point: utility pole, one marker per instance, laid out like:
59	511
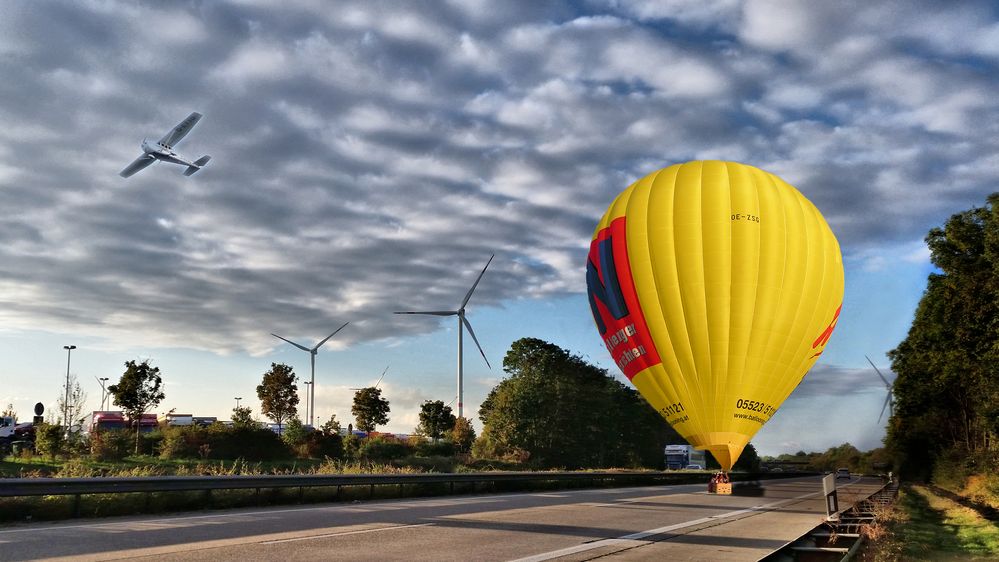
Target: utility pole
65	405
101	381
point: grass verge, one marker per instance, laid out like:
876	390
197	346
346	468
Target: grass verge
925	526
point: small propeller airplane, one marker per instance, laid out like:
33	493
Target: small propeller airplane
163	150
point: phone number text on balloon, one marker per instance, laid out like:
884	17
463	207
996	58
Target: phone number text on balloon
755	406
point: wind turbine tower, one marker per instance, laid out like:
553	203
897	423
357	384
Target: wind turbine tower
462	325
311	403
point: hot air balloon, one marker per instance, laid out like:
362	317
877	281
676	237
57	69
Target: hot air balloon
715	286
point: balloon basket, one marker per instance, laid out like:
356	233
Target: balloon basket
720	484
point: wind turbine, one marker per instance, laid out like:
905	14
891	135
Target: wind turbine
890	399
379	380
462	324
312	352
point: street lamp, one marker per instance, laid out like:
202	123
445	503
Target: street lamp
308	389
238	398
65	405
101	381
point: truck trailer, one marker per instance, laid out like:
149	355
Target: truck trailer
683	457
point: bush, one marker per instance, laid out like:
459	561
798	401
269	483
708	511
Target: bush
439	449
294	434
428	463
322	445
352	448
150	443
49	440
250	443
183	442
383	449
111	445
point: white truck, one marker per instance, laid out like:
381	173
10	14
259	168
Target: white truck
684	457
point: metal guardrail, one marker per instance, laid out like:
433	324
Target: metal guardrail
847	524
26	487
13	487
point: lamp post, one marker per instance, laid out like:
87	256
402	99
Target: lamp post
65	405
238	398
308	390
102	381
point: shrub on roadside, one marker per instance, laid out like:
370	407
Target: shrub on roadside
182	442
383	448
111	445
439	449
49	440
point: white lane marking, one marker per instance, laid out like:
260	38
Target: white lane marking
345	533
635	538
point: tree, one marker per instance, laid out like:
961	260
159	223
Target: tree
76	405
331	427
462	435
749	460
436	419
278	393
9	412
138	390
565	412
947	389
294	434
242	417
370	409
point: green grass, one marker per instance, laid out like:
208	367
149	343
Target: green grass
144	465
927	527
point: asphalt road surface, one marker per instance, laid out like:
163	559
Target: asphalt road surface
646	523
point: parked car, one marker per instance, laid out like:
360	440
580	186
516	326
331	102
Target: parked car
842	473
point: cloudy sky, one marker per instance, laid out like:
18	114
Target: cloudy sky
370	156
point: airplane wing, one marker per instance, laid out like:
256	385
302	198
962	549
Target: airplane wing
181	130
139	163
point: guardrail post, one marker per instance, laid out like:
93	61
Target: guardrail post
832	501
76	505
371	492
208	499
301	494
338	492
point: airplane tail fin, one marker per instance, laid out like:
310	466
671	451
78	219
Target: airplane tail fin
197	165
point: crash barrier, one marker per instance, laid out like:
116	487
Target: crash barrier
77	487
840	537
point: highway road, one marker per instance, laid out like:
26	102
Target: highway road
646	523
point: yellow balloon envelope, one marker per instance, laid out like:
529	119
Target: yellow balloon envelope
715	287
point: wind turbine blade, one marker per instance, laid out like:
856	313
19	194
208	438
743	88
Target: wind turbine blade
472	333
302	347
431	312
381	377
887	401
476	284
878	371
320	344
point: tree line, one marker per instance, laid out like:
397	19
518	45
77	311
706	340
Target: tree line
946	415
